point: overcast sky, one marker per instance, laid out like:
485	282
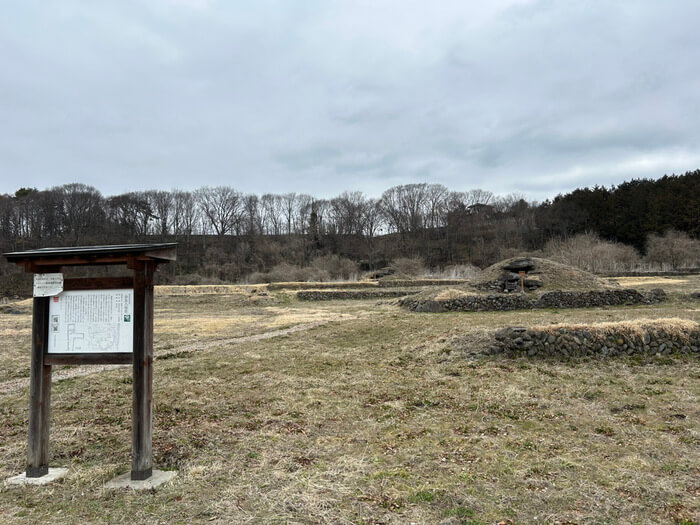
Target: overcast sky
534	97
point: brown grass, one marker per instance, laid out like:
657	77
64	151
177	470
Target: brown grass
210	289
674	326
342	285
370	418
680	284
447	294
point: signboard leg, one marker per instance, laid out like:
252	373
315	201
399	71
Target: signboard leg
142	426
39	394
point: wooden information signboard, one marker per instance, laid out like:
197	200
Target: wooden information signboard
103	320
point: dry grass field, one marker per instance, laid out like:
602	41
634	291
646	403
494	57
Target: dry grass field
679	284
280	411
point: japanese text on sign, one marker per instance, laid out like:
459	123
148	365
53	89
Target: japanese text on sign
91	321
47	284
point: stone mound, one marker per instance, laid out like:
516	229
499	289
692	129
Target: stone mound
539	274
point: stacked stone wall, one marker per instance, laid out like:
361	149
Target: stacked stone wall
517	301
583	342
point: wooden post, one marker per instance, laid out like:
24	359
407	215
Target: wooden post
39	393
142	416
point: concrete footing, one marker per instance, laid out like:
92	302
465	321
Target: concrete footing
157	479
53	475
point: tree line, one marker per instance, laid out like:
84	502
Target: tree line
627	213
228	234
77	212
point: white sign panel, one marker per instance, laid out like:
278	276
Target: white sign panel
91	321
47	284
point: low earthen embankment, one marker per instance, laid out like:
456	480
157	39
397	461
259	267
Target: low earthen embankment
403	283
667	273
516	301
322	285
332	295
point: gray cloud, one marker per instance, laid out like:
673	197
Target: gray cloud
536	97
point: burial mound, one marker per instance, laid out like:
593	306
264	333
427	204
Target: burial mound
555	285
539	274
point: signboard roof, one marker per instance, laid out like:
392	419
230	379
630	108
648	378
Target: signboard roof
35	260
111	249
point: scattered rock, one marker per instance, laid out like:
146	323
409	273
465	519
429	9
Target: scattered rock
10	310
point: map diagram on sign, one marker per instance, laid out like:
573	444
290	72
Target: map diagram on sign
91	321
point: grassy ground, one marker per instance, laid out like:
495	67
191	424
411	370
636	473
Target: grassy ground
372	416
680	284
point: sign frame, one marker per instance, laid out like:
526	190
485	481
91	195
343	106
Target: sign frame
92	358
110	328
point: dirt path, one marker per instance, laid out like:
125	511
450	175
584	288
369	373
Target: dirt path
59	374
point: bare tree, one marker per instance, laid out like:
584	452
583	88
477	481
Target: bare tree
392	208
371	218
303	212
477	196
404	207
252	218
185	213
81	207
674	248
435	205
413	201
130	213
346	212
25	217
290	204
272	213
506	203
161	203
221	207
322	210
591	253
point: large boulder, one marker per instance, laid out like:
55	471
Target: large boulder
520	265
508	282
509	276
382	272
532	284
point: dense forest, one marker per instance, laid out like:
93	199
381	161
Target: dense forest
227	235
